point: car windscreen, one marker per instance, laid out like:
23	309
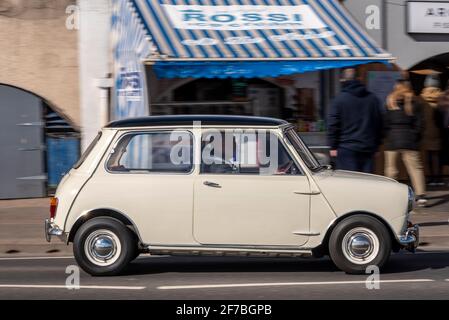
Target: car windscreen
304	152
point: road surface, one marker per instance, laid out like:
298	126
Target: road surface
424	275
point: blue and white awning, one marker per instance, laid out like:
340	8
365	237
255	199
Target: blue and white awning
252	38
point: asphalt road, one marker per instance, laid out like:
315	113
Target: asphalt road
424	275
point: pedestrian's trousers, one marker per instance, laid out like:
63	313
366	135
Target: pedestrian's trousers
355	161
413	164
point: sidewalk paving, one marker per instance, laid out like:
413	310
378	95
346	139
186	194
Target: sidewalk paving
434	221
22	226
22	229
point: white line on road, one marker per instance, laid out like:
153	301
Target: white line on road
274	284
34	258
49	286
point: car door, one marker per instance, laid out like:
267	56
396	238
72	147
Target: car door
256	195
148	176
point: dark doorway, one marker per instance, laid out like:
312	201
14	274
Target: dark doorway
439	63
29	155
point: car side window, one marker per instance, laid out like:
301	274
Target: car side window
258	152
155	152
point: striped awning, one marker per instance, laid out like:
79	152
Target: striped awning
252	38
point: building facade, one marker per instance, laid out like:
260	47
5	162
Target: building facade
39	95
415	32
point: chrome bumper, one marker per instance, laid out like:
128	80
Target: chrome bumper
410	239
52	230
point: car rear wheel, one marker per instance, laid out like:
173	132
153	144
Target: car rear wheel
358	242
103	246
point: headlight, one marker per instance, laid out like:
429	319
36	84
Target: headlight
411	199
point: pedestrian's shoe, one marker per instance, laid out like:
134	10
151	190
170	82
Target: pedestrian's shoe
421	201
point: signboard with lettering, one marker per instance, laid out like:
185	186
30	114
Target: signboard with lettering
243	17
427	17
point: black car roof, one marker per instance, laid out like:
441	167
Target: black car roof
188	120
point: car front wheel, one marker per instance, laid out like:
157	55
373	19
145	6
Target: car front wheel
103	246
358	242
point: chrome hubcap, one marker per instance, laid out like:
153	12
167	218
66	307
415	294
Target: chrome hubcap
360	245
102	247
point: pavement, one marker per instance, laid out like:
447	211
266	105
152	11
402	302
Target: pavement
30	268
22	229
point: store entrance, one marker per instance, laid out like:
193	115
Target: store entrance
225	96
437	65
38	145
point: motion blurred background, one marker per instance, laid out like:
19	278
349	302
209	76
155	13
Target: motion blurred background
68	67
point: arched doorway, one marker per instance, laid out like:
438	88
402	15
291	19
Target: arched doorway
438	64
37	144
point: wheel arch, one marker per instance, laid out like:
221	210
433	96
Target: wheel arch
324	247
103	212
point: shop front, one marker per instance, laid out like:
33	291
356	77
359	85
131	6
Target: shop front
254	57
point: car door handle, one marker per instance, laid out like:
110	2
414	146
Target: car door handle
211	184
312	193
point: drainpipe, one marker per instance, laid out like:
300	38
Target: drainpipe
104	85
384	24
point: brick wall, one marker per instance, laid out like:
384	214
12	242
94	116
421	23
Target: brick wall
39	54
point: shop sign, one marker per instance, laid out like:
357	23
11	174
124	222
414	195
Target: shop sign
274	38
130	86
427	17
243	17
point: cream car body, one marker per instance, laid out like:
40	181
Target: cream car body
195	212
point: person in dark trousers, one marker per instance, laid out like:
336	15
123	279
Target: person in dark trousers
443	106
404	125
433	129
354	125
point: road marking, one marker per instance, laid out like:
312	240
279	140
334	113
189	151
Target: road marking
50	286
274	284
426	252
34	258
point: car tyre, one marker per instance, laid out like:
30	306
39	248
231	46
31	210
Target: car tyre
104	246
358	242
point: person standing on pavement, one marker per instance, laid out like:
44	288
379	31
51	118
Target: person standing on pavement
443	106
433	127
403	131
354	125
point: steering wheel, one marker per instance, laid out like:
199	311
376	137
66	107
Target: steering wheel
285	168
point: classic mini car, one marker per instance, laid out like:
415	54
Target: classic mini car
222	185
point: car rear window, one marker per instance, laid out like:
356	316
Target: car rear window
87	152
157	152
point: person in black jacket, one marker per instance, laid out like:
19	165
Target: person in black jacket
443	105
403	131
354	125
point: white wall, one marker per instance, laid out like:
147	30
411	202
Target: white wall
408	49
95	64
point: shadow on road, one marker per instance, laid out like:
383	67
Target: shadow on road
434	224
409	262
156	265
441	199
398	263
